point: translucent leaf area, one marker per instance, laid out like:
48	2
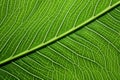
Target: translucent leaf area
59	39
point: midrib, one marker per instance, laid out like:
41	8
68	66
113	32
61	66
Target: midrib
62	35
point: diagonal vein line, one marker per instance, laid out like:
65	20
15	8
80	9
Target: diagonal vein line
62	35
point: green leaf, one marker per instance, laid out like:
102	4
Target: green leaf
60	40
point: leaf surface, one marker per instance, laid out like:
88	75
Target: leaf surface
63	40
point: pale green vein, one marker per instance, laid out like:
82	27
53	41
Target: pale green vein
62	35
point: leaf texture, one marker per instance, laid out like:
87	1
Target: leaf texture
67	40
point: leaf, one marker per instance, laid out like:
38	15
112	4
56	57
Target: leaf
64	40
